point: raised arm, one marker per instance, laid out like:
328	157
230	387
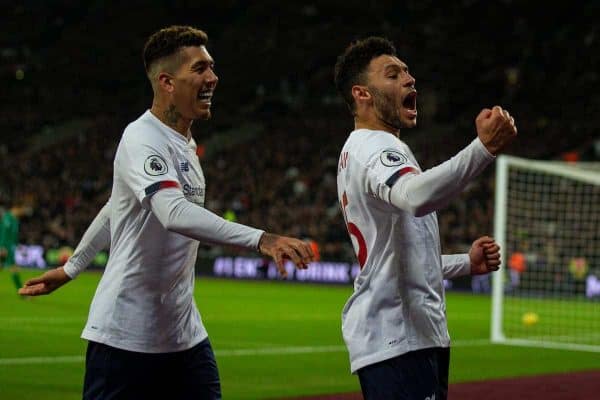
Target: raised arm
95	239
423	193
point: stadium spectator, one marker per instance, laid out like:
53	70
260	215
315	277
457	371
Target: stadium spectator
517	265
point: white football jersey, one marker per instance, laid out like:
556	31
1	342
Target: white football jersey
398	301
144	301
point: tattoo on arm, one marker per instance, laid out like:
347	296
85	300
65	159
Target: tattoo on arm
266	241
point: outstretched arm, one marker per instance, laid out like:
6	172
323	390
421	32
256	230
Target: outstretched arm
96	238
179	215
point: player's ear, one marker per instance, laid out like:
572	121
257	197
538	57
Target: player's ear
165	81
360	94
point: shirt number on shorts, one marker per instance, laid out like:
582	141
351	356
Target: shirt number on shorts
354	231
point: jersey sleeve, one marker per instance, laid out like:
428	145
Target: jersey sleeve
455	265
387	164
189	219
434	188
146	166
95	239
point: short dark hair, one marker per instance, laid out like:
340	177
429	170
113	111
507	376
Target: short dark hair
167	42
351	66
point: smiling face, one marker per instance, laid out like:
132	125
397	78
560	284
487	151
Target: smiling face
193	83
393	93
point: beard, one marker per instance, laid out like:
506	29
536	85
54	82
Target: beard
385	109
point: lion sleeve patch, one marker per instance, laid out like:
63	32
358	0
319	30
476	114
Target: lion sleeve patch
155	165
392	158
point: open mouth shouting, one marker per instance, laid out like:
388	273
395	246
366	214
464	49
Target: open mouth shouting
409	104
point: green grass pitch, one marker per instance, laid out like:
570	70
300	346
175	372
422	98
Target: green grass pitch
272	340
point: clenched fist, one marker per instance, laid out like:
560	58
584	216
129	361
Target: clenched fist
496	128
484	256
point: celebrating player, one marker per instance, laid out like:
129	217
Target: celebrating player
146	337
394	324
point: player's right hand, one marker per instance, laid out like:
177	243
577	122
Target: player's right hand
45	283
280	248
496	128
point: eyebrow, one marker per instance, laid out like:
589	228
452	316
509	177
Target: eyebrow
396	67
202	64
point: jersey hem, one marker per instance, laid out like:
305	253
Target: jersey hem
386	355
137	347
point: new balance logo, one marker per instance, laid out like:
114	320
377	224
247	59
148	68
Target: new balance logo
184	166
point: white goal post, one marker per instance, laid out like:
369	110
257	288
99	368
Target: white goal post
547	222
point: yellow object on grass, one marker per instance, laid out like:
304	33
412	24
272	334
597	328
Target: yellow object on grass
530	318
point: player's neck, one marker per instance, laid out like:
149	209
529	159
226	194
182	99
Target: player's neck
168	115
375	124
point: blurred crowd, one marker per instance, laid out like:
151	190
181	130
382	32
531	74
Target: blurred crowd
74	81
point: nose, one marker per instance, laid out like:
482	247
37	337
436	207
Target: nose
409	80
213	79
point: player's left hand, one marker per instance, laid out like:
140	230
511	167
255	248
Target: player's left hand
45	283
484	256
282	247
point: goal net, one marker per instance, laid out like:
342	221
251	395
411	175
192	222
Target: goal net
547	222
